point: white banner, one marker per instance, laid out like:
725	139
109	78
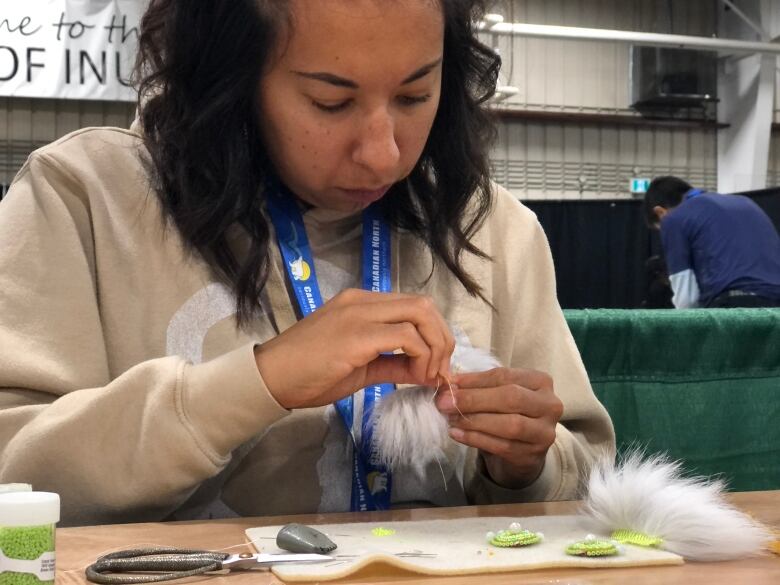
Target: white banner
71	49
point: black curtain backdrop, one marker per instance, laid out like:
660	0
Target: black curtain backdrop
600	248
769	201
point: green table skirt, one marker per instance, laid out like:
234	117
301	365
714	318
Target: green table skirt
701	385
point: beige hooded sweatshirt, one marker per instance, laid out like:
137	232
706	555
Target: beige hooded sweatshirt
126	387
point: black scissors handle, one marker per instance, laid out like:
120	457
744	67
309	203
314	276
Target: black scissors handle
165	564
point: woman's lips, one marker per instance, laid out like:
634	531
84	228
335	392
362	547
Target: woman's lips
366	195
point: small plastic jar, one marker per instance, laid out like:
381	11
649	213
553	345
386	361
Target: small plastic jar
27	529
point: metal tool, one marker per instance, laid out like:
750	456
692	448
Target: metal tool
153	565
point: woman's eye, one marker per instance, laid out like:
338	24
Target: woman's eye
409	100
331	108
404	100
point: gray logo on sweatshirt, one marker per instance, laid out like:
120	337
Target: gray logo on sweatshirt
189	326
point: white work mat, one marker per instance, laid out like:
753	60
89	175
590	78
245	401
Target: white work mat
458	545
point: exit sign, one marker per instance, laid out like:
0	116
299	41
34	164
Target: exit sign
639	185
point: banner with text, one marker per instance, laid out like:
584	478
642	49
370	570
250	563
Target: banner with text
69	49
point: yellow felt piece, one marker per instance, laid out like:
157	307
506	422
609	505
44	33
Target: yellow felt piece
451	547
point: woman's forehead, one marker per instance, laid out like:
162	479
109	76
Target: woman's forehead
355	33
366	8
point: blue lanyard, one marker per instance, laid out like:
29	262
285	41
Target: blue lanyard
371	482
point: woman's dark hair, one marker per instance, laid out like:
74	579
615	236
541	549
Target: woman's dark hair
666	192
198	79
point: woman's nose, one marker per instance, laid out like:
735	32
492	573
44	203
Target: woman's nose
377	149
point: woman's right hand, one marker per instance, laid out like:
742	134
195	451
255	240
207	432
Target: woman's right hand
339	348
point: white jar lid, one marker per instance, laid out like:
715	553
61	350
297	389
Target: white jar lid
29	509
6	488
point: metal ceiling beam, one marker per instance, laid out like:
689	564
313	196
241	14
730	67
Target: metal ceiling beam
747	20
492	25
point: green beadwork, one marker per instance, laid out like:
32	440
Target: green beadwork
592	548
515	538
25	543
9	578
637	538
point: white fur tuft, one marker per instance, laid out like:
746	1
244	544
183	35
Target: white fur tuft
466	359
691	515
408	428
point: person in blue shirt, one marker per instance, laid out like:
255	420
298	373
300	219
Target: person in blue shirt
720	250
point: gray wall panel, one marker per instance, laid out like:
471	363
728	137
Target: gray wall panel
572	160
27	124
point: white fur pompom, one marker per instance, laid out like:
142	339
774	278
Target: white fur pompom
691	515
408	428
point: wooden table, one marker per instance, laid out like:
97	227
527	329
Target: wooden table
78	547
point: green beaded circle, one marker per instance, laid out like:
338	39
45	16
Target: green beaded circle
515	538
592	548
25	543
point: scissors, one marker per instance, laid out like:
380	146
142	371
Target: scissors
152	565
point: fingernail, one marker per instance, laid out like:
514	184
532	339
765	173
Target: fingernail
457	434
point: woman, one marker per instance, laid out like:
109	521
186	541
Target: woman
155	363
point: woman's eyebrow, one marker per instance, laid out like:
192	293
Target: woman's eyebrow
348	83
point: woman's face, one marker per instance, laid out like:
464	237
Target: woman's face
346	110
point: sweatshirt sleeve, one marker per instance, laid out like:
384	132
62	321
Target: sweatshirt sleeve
679	260
132	448
686	289
533	334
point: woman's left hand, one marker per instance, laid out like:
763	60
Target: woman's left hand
509	415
